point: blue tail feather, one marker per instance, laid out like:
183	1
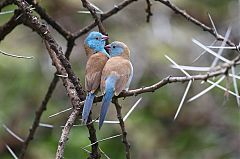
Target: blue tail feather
109	93
87	106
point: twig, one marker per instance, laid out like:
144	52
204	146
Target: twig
191	19
62	65
171	79
75	100
65	133
122	125
44	103
148	10
95	154
32	21
103	17
10	25
57	26
94	14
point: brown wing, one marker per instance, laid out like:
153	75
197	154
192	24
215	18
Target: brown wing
93	72
120	67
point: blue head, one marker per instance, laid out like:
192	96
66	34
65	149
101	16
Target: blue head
117	48
96	41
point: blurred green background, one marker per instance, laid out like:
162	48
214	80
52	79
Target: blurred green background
207	128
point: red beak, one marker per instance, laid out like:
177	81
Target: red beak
104	37
107	47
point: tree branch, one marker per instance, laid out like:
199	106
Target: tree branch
92	10
57	26
42	29
10	25
65	133
74	90
103	17
217	71
43	106
194	21
122	125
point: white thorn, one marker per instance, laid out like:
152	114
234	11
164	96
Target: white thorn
235	85
63	111
11	152
108	138
220	51
173	62
46	125
206	90
12	133
211	52
183	99
131	110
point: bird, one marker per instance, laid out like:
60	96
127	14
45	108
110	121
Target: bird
97	57
116	75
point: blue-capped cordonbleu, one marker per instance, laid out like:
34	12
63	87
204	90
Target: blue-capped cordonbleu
116	75
97	58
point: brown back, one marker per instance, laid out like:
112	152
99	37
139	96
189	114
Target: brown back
93	71
120	67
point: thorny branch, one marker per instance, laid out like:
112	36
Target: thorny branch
104	16
223	70
74	90
217	71
33	23
92	10
56	25
122	125
194	21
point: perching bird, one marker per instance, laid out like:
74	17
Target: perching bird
116	75
97	58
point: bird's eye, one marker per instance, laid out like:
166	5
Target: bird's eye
97	38
114	47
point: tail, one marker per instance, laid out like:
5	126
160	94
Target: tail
109	92
87	106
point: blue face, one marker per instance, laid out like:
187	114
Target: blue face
96	41
115	49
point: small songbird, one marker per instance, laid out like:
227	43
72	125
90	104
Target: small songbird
116	75
97	58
